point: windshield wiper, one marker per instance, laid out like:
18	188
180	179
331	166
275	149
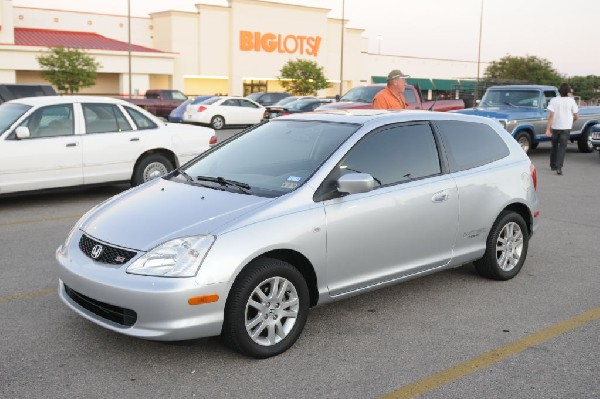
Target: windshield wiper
507	103
243	187
187	177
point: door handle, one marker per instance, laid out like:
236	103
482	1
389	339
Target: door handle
71	145
134	139
440	196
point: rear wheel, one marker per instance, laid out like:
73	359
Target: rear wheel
151	167
584	144
217	122
506	248
266	309
524	139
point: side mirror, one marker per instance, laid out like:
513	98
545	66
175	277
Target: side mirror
355	183
22	132
477	101
337	97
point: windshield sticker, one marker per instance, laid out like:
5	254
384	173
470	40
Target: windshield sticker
289	185
294	178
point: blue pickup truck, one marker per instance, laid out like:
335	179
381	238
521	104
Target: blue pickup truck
522	110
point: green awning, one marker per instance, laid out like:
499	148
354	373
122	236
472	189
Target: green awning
424	84
445	84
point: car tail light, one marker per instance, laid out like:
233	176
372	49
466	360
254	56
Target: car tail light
284	113
533	176
201	108
266	115
213	140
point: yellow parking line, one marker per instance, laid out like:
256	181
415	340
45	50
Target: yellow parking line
27	295
39	220
487	359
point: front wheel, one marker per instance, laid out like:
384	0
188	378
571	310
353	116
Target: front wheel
506	248
584	144
151	167
266	309
524	139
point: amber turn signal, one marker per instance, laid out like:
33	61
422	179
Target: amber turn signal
200	300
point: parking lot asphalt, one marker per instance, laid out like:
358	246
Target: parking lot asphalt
448	335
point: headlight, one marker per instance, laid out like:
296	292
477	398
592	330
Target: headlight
176	258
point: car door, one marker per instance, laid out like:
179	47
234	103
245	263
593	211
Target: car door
406	225
110	145
50	157
252	112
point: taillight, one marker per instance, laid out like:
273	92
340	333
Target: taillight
201	108
533	173
284	113
213	140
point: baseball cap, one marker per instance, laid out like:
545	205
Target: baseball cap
396	73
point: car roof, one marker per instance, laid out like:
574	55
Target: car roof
362	116
50	100
523	87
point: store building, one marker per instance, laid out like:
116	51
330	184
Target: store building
233	49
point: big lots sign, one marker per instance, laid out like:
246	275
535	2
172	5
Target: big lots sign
271	42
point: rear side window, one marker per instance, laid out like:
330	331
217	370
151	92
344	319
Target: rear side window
104	118
470	144
141	121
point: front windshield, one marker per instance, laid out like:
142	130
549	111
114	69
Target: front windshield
361	94
254	96
9	113
511	98
273	159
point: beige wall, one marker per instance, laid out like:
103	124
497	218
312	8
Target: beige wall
201	86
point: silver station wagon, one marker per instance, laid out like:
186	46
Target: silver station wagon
298	212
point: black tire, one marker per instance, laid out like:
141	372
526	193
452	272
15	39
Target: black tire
274	327
584	144
217	122
534	146
150	167
506	248
524	139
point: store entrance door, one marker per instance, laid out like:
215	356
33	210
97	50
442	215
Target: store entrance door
253	86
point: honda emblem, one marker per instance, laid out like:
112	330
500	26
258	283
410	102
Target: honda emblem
96	251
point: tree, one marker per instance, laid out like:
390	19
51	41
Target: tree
587	87
69	69
529	69
302	77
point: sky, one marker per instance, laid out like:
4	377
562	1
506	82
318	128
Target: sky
566	33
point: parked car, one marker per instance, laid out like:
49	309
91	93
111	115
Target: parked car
221	111
287	100
50	142
176	116
13	91
298	212
159	102
267	98
294	107
361	97
595	137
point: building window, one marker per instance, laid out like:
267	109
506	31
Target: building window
253	86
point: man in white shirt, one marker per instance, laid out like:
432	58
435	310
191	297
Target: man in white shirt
563	112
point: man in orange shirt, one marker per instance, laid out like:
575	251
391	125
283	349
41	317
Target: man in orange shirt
392	97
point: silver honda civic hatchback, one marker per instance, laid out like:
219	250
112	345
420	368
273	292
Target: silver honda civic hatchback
298	212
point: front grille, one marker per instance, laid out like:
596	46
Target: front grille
116	314
104	253
596	135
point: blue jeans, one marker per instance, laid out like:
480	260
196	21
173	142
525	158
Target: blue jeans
559	147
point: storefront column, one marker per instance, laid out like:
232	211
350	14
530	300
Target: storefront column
139	84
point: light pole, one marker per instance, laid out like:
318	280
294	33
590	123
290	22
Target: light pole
342	49
478	54
129	42
379	39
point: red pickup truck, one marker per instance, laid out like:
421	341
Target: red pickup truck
159	102
361	97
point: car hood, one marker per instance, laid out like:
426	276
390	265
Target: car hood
344	105
161	210
507	113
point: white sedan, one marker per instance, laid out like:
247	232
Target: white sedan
61	141
221	111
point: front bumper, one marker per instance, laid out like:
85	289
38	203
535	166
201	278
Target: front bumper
141	306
